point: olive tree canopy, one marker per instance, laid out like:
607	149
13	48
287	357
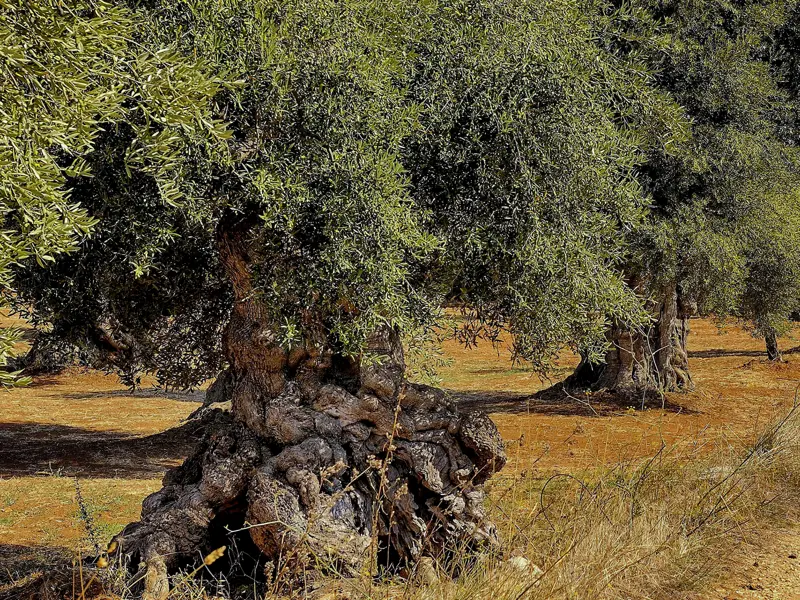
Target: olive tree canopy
69	74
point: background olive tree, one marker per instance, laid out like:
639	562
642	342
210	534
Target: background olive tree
712	221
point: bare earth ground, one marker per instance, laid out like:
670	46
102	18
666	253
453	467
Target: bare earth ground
769	570
85	427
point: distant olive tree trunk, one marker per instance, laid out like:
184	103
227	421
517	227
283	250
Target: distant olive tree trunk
773	351
323	455
101	346
643	361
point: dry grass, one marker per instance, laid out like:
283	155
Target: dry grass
661	528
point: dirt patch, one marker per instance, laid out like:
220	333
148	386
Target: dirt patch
85	426
769	569
95	401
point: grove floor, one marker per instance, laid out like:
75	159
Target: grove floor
82	434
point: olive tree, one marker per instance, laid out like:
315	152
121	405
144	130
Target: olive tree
772	291
772	283
712	193
381	158
67	72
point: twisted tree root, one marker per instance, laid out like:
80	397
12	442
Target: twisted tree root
324	480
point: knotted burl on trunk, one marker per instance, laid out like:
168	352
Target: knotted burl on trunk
644	361
340	463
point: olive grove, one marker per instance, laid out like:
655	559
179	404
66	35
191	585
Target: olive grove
279	194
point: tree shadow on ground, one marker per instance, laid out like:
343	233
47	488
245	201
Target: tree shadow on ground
19	561
40	381
155	392
45	573
42	449
555	400
722	352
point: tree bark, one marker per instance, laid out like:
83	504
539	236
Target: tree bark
773	351
324	458
643	362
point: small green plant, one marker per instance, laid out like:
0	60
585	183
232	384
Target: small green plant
86	517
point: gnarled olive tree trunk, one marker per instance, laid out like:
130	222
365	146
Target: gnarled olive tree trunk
773	351
301	459
643	361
